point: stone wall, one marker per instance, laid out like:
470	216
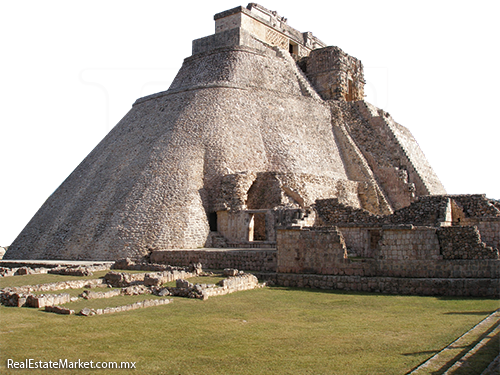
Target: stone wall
464	243
264	25
390	285
331	212
357	240
430	210
468	269
335	75
249	260
412	243
400	168
490	231
311	250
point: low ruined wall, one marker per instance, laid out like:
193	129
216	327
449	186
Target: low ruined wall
464	243
311	250
490	231
248	260
133	306
61	285
43	300
388	285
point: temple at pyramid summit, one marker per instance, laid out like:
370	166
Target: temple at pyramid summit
263	140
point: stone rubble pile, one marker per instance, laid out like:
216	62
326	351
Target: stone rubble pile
123	279
15	271
477	205
10	298
133	290
183	288
79	270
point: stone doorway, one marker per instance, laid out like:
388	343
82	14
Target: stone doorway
257	226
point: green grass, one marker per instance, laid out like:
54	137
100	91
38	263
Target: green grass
263	331
45	278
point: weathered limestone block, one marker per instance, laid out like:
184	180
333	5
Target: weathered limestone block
180	283
89	294
59	310
43	300
241	282
230	272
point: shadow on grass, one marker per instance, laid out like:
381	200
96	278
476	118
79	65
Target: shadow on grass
458	298
362	293
432	352
330	291
468	313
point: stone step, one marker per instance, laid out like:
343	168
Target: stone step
488	326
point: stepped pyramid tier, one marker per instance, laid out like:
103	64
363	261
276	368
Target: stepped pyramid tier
260	122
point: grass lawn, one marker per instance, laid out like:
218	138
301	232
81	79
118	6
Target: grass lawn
262	331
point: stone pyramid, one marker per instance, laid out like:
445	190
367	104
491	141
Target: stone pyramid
260	120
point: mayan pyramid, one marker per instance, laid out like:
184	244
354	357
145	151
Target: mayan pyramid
261	119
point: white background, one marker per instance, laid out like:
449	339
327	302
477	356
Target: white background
69	71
